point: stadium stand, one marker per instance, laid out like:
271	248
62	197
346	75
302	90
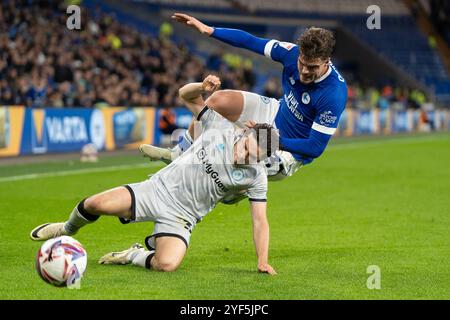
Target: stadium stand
439	13
120	60
344	7
109	63
417	58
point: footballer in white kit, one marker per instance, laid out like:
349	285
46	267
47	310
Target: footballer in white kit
181	194
223	161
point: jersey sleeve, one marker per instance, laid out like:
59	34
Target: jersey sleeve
207	117
240	39
330	108
257	192
283	52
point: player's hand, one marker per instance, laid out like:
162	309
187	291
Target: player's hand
266	268
211	84
192	22
250	123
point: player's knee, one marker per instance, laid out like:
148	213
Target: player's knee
165	264
214	101
93	204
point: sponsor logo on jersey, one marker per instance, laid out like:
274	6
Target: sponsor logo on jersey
287	45
306	98
292	104
327	118
203	157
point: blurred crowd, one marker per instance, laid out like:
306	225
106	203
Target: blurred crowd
387	97
370	97
42	63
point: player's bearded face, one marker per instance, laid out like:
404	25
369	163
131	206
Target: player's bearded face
311	69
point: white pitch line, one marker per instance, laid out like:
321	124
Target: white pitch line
344	146
374	143
79	171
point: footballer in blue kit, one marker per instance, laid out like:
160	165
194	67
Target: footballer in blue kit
309	112
314	96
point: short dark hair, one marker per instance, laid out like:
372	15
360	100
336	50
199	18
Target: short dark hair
267	137
316	43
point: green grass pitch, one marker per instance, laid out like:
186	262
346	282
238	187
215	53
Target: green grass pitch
383	202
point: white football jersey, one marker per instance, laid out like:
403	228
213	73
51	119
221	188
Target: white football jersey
203	175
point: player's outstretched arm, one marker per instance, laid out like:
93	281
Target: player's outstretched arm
191	93
261	236
234	37
193	22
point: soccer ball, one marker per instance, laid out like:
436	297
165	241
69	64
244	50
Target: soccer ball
61	261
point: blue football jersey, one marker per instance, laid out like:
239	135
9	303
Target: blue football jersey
305	107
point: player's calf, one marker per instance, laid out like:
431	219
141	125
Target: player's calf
116	202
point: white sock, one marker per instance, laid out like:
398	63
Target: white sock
78	219
140	258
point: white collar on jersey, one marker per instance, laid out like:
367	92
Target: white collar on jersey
325	75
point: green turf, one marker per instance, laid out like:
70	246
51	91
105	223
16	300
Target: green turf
377	202
65	165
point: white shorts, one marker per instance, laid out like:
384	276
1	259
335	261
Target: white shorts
150	203
259	108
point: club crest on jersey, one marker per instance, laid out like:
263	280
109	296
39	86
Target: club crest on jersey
237	174
306	98
327	118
